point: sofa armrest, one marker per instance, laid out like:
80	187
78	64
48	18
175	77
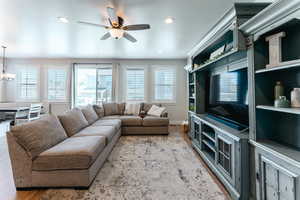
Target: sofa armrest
21	162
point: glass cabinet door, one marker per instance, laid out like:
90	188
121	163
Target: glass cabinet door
224	155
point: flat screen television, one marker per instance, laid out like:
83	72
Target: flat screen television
227	98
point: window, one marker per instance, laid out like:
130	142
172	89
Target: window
135	84
93	84
164	84
57	84
27	83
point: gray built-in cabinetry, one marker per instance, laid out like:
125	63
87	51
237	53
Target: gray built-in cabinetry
262	162
224	149
274	132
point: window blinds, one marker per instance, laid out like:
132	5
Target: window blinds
57	84
164	84
135	84
27	80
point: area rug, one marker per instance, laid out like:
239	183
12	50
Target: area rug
148	168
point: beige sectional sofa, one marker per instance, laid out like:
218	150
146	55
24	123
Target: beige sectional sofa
68	150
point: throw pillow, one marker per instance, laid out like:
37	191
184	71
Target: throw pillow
73	121
156	111
40	135
89	114
110	109
99	110
132	109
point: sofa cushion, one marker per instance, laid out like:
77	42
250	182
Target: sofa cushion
107	131
72	153
73	121
111	117
130	120
89	114
132	109
146	106
155	121
121	108
112	122
99	110
156	111
40	135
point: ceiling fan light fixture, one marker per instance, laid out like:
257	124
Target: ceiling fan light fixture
116	33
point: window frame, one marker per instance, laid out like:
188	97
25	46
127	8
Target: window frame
164	67
67	83
136	67
19	97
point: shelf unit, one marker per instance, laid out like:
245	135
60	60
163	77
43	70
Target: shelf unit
208	134
274	132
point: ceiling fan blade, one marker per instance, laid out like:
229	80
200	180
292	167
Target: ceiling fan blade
136	27
113	18
105	36
92	24
129	37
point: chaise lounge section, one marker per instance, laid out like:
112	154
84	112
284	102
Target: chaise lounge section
69	150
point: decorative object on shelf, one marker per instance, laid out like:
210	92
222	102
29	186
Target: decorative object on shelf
196	66
278	90
228	47
275	51
217	53
295	98
282	102
5	76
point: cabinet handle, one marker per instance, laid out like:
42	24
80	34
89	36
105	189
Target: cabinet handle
257	176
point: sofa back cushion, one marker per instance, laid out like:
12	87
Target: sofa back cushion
132	109
89	114
73	121
99	110
40	135
113	108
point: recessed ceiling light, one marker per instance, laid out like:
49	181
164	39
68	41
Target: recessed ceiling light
63	20
169	20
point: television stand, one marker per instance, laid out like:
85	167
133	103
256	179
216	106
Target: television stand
225	151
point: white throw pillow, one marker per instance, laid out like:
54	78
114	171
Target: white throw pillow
156	111
132	109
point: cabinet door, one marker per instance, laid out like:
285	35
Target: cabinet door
277	182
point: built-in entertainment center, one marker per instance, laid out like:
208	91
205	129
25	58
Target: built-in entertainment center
244	100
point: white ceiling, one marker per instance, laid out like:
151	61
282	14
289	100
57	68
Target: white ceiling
30	27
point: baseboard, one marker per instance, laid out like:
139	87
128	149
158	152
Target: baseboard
174	122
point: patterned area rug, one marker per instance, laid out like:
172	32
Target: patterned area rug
148	168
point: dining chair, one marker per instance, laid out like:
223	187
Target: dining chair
33	113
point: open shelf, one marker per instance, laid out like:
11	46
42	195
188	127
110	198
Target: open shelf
209	144
285	110
216	60
286	66
210	136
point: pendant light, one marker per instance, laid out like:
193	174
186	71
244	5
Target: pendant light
6	76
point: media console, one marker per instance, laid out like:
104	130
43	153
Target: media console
225	150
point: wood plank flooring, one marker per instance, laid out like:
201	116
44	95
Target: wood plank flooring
7	188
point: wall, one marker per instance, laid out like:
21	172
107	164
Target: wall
177	110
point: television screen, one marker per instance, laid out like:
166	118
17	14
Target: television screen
228	96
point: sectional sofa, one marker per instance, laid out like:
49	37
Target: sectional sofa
68	150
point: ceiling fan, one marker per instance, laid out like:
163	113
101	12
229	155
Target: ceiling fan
116	28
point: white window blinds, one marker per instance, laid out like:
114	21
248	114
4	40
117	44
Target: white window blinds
27	83
164	84
135	84
57	85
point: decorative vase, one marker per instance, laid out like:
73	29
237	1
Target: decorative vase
282	102
295	98
278	90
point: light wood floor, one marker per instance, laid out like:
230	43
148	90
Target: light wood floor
7	187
